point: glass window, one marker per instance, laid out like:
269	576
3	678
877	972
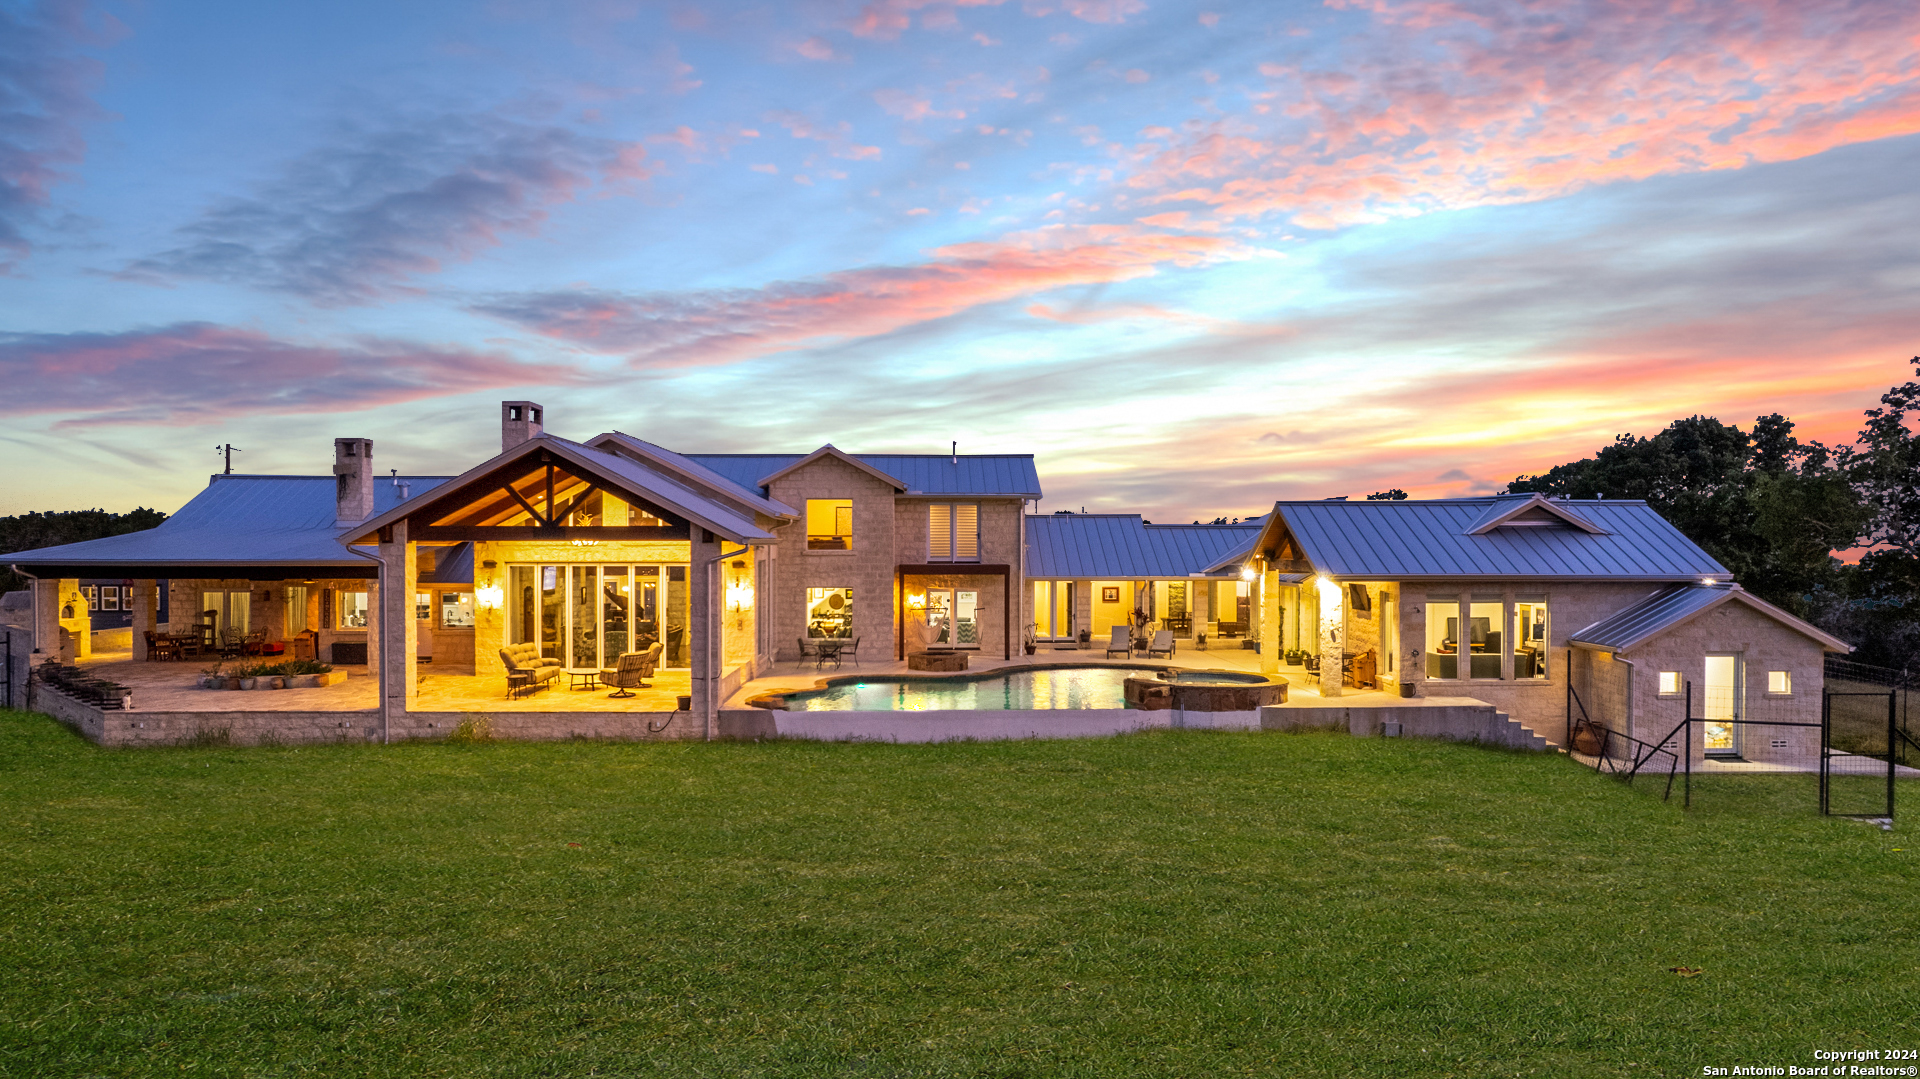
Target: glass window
829	524
829	612
1483	637
1530	636
1779	682
353	610
1443	636
522	605
584	594
1669	683
456	609
423	605
953	533
110	597
616	612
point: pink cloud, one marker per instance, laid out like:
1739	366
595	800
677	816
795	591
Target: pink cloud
722	326
815	48
912	108
1515	101
197	372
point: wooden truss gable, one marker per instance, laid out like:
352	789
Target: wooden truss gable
1281	550
542	497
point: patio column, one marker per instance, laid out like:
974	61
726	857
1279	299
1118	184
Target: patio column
399	630
141	599
1333	614
46	619
703	630
1200	604
1270	646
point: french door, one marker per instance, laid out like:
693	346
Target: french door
589	615
953	617
1053	611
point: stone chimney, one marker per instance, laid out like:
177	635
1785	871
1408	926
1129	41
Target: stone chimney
353	480
519	421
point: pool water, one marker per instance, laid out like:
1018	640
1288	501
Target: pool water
1067	687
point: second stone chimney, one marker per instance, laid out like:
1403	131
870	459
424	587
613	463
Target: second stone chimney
353	480
519	421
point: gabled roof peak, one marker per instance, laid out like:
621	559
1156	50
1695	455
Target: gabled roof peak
831	450
1529	510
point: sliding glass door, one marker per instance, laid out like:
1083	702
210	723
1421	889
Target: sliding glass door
587	616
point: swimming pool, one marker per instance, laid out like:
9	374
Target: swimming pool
1062	687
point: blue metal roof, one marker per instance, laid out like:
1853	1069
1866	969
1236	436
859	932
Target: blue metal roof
1670	607
1412	539
238	520
976	475
695	472
1115	546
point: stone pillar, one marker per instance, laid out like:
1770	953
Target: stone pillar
373	627
703	629
399	630
1082	608
1269	601
46	619
1333	634
1200	604
143	600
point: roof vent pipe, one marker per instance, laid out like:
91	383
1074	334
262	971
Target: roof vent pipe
956	452
352	480
519	421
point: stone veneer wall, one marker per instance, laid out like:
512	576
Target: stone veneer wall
1539	703
1763	645
867	568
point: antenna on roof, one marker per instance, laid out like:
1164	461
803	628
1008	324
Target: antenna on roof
228	451
956	452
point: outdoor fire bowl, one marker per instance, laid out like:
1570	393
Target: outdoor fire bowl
937	661
1206	691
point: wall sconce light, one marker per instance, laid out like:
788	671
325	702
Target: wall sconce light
1247	574
489	596
740	595
916	601
584	543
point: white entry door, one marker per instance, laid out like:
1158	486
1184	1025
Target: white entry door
1720	707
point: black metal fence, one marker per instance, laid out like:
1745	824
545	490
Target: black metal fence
1848	747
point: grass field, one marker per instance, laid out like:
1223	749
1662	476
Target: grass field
1175	904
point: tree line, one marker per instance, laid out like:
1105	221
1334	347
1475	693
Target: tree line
1774	510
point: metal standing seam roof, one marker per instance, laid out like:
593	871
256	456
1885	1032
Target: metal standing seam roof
1117	546
1411	539
1670	607
237	520
976	475
693	470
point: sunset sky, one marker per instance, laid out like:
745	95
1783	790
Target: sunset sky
1196	257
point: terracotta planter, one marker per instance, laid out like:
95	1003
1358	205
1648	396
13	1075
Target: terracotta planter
274	682
232	683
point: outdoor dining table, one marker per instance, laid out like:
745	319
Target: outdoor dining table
828	649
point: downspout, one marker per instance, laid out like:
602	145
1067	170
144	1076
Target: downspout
710	569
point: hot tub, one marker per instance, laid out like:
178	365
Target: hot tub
1205	691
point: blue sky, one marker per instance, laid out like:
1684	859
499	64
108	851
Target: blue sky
1195	256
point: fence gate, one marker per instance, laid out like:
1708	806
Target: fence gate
1867	740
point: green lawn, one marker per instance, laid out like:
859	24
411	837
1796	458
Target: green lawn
1179	904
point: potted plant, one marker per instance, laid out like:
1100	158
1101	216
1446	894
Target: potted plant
1032	642
1086	638
211	678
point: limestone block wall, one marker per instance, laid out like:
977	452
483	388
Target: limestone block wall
1538	703
1763	645
867	568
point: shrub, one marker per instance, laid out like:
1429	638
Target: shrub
471	730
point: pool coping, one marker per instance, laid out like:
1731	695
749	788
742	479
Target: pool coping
775	700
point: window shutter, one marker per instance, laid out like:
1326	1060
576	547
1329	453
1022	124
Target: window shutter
966	533
939	533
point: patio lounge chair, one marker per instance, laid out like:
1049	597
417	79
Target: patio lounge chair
1122	641
1162	643
632	671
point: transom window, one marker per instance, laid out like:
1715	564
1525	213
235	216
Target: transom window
829	524
953	532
